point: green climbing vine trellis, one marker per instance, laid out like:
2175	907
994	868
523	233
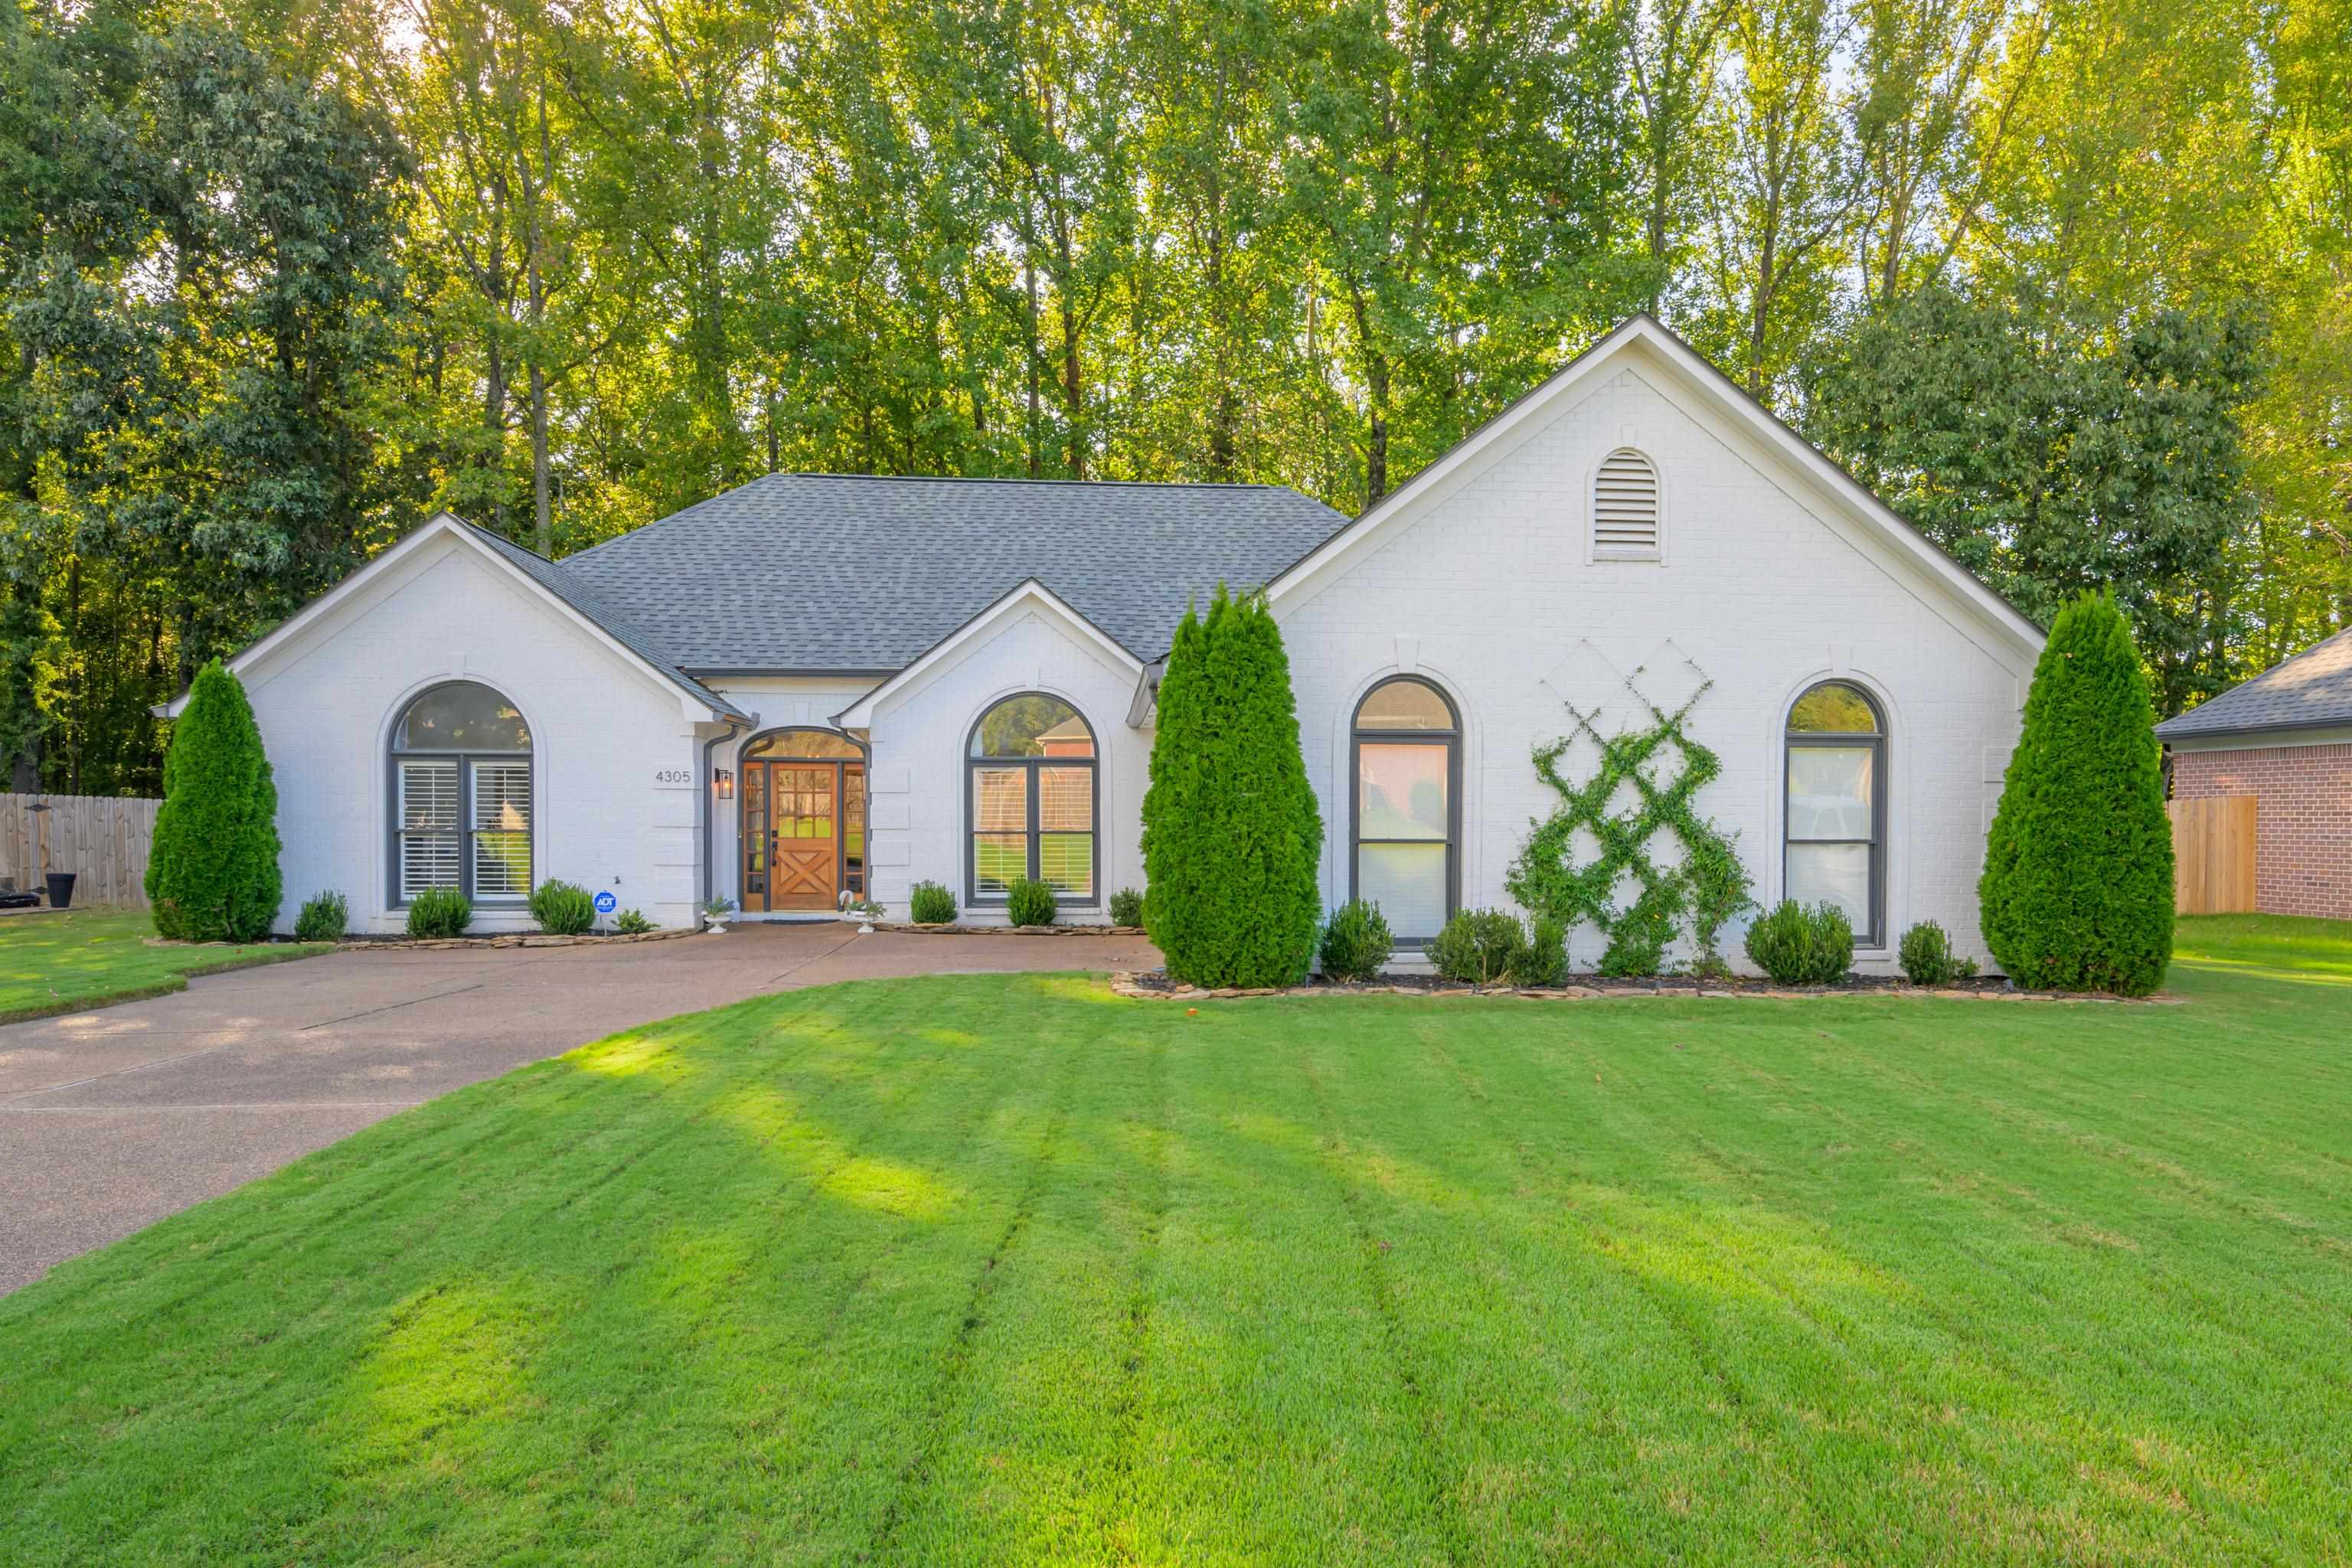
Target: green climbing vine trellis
1710	885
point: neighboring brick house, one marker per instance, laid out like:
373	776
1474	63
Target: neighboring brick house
2284	738
812	686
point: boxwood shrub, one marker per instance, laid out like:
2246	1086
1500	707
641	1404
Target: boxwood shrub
1031	903
439	911
1356	942
1478	946
562	909
1127	908
930	904
1798	946
324	917
1927	957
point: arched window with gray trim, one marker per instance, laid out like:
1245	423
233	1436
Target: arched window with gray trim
1834	847
1031	766
1405	851
461	796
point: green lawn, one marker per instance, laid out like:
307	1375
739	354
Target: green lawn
86	957
991	1271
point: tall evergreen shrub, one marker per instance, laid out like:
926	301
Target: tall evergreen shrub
212	871
1230	831
2077	888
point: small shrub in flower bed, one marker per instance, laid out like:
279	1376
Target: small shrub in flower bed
1928	959
1127	908
1356	943
1798	946
930	904
439	911
1030	902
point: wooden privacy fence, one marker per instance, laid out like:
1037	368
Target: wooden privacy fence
2214	854
103	839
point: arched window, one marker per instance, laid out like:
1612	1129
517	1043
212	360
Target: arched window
1033	810
1407	845
461	796
1834	850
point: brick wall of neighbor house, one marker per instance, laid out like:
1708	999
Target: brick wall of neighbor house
1492	596
602	729
2302	819
920	736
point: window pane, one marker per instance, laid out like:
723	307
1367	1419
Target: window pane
1000	800
998	860
462	717
501	830
428	796
1404	705
427	860
1833	708
1408	882
802	803
1033	726
803	743
1065	800
1833	874
1830	792
1067	863
1401	790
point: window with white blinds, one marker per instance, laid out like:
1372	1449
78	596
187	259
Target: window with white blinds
1626	507
501	830
461	789
428	826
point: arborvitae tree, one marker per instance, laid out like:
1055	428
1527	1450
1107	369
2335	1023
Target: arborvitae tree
211	873
2077	888
1172	873
1232	832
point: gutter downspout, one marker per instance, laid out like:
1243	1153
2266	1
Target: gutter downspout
704	824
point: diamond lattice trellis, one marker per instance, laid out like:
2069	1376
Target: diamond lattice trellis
1646	772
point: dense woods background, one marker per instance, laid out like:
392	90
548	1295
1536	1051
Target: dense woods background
2069	280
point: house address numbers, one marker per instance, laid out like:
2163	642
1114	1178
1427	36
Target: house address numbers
674	777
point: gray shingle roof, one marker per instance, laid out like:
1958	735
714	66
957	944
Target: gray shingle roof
2311	690
834	572
582	597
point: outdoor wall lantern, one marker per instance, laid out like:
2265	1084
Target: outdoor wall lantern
725	779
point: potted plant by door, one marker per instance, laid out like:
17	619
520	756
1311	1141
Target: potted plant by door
715	914
865	912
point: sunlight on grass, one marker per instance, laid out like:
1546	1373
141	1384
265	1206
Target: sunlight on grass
891	1189
448	1358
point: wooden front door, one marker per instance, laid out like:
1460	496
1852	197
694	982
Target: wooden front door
805	834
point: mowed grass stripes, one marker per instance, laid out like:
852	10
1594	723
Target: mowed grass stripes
989	1270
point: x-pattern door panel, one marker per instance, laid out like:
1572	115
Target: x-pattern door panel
803	810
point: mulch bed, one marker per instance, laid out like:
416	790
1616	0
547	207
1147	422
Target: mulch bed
1158	985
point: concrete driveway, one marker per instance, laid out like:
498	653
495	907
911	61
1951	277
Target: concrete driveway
110	1119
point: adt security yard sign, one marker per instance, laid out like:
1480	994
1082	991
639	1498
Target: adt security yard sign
607	903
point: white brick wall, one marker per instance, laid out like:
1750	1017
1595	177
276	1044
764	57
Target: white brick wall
919	813
601	729
1492	592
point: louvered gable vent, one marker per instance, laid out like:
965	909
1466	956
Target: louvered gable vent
1626	507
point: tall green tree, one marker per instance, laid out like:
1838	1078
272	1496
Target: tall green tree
1232	832
212	871
2077	892
2052	462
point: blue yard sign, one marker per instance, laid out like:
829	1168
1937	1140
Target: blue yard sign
607	903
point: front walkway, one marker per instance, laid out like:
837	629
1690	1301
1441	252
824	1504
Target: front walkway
110	1119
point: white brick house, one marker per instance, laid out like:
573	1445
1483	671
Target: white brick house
818	685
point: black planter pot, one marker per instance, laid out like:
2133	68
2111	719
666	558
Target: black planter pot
60	889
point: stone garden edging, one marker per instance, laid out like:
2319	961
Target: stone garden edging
390	943
1124	984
